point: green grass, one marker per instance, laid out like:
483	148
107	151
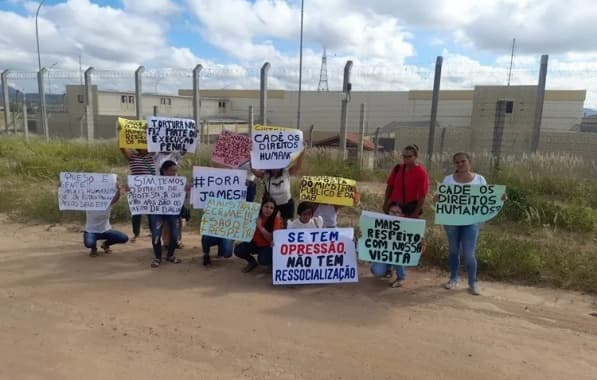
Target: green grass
545	234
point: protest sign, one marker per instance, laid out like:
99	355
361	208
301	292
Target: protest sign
230	219
167	134
132	134
232	149
314	256
463	205
329	190
390	239
266	128
217	183
86	191
156	194
276	149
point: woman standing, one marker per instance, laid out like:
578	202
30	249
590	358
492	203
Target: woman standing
406	190
267	222
168	169
463	237
277	186
140	163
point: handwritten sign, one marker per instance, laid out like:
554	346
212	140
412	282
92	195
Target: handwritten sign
228	219
314	256
132	134
390	239
329	190
266	128
463	205
275	150
232	149
165	134
86	191
154	194
227	184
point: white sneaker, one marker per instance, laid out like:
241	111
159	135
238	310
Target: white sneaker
474	290
451	284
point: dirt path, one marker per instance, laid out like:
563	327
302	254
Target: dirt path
64	315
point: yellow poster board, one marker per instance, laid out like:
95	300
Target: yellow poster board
132	134
329	190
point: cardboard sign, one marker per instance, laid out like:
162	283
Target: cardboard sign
86	191
463	205
232	149
329	190
275	150
156	194
314	256
235	220
167	134
132	134
227	184
390	239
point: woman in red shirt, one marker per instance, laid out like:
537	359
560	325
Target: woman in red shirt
263	238
407	184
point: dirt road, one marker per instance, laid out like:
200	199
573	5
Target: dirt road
64	315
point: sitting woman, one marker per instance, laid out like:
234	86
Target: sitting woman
383	269
267	222
305	217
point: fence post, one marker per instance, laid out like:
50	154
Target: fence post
311	128
197	99
346	87
89	111
155	110
25	118
263	94
251	120
442	140
434	103
6	99
498	132
42	100
376	147
138	89
539	105
361	135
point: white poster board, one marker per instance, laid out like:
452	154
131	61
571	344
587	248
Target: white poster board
156	194
219	183
86	191
314	256
275	149
169	134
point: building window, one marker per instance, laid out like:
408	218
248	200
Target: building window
131	99
509	106
221	104
123	99
166	101
81	99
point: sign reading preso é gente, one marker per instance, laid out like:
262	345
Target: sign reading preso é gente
463	205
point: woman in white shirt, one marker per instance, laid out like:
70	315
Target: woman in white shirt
464	237
305	217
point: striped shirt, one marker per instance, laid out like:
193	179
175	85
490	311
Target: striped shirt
141	165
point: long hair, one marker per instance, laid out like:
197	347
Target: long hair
269	223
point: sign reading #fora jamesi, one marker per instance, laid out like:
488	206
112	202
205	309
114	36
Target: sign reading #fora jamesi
462	205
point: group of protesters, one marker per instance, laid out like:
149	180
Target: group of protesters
407	187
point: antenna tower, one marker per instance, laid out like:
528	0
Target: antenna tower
323	74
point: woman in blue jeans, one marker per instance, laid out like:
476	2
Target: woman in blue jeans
463	237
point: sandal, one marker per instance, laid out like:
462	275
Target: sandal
155	263
397	283
106	248
206	260
179	245
173	259
93	252
250	266
134	238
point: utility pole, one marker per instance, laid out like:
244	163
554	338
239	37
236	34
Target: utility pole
539	105
511	61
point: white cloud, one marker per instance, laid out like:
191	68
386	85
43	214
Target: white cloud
153	7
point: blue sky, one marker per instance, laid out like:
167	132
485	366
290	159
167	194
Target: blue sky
393	43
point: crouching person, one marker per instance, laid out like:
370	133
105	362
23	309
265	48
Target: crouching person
98	227
261	245
224	248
